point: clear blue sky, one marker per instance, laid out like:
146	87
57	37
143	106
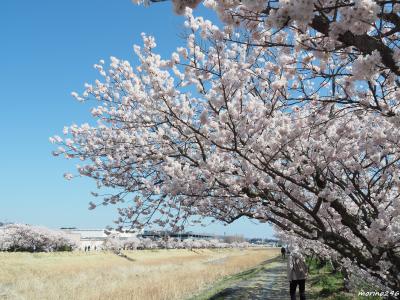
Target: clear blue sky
47	51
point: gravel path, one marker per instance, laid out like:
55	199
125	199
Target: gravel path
269	283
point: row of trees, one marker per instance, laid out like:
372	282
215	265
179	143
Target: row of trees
113	242
21	237
288	114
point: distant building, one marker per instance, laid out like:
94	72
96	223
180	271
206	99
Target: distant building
93	238
265	242
176	235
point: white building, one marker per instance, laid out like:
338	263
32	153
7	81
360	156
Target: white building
92	239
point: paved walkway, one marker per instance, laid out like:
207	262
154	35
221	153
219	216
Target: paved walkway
268	283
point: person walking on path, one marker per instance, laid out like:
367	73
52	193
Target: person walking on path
297	274
283	252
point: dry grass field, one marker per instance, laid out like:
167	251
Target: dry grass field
157	274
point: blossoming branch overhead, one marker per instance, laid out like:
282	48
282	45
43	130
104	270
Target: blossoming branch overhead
287	114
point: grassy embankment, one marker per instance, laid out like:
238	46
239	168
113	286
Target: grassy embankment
324	283
157	274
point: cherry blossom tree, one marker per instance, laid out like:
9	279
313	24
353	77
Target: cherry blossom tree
21	237
132	243
287	114
147	243
113	243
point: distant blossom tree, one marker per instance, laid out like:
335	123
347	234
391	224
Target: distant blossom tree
21	237
132	243
147	243
288	114
113	242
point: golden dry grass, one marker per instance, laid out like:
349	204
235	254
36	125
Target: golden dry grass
159	274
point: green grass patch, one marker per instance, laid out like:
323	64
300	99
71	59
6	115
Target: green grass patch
325	283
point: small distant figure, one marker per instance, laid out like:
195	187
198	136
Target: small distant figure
85	248
283	252
88	248
95	248
297	274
